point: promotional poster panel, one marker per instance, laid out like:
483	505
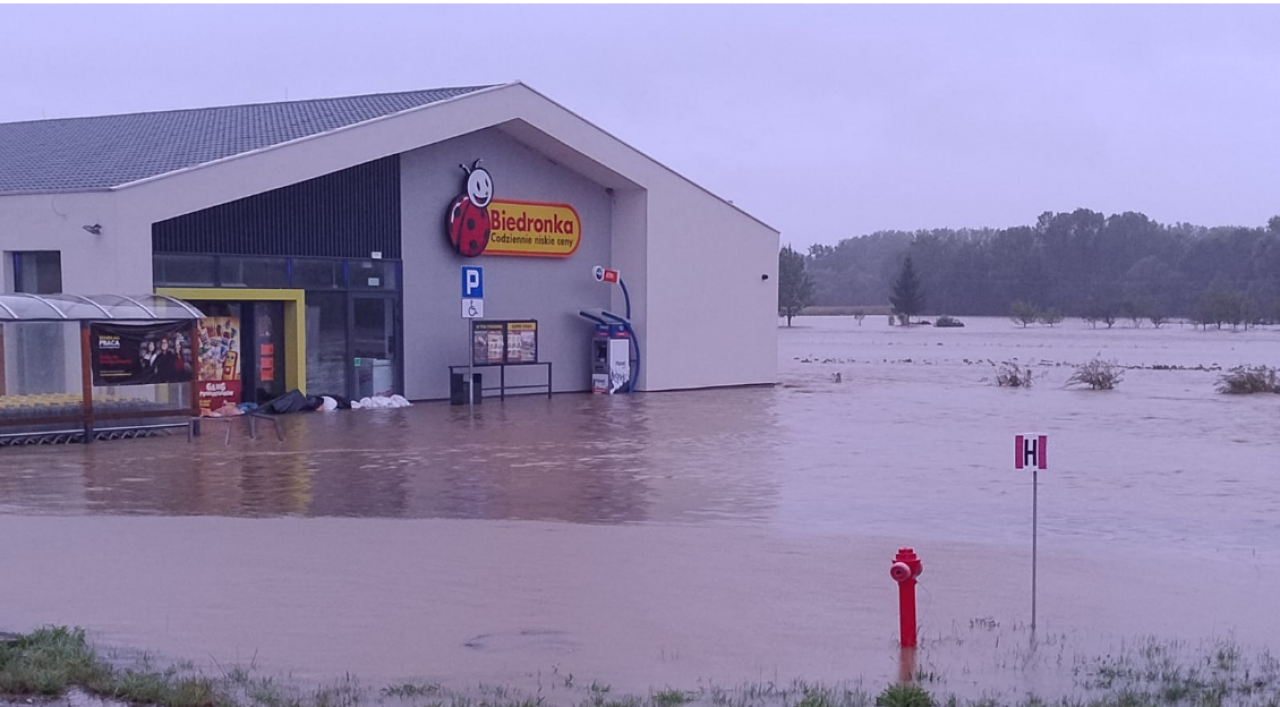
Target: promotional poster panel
218	381
522	342
140	354
487	343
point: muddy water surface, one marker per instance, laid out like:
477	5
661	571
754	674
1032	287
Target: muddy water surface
669	538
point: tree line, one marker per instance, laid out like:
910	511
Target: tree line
1081	264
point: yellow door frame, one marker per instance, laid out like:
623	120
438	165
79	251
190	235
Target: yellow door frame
295	330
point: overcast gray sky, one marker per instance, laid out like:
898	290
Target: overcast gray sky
825	121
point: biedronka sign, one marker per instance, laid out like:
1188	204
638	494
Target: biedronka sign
478	224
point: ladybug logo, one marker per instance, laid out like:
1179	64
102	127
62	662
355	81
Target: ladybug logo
469	224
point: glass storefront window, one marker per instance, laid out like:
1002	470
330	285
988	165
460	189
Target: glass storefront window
373	275
326	343
185	270
318	274
253	272
373	344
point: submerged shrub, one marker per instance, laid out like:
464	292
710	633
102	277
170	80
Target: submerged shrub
1243	380
1098	375
1011	375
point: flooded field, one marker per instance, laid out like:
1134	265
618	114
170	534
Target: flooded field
681	538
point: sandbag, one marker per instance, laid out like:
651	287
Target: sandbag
381	402
400	401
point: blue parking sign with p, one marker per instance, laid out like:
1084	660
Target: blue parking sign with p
472	282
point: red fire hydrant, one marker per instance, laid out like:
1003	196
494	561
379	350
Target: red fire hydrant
906	567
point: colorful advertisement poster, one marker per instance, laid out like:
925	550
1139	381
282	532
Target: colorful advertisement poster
140	354
522	342
487	345
218	381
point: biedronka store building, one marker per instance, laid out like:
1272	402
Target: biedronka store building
323	242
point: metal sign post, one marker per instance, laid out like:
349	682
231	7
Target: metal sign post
471	379
472	309
1032	451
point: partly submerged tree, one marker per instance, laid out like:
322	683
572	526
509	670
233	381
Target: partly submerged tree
795	286
907	297
1219	307
1102	310
1050	316
1136	310
1024	313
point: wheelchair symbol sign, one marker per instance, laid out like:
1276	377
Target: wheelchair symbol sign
473	309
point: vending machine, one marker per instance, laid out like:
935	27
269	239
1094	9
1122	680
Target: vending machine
611	359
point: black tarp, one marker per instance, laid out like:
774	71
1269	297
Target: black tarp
291	402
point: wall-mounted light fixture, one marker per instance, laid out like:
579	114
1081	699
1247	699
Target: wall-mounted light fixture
95	229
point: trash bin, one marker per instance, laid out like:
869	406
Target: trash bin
458	388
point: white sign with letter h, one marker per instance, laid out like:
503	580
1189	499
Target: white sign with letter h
1031	451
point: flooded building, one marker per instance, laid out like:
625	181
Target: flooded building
330	236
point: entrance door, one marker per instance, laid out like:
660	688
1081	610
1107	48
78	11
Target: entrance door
376	325
264	351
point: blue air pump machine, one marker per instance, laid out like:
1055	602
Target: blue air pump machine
615	348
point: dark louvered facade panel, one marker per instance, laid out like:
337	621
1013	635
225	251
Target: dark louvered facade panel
346	214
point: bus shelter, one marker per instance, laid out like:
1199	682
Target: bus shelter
80	368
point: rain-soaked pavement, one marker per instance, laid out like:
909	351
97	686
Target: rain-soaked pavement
668	538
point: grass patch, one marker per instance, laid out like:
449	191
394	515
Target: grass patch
1148	673
346	692
49	661
411	689
904	696
670	698
846	311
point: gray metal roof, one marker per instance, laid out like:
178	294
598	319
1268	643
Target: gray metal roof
80	154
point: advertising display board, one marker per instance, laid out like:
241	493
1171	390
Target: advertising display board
140	354
218	378
511	343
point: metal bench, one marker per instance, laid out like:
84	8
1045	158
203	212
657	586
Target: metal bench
193	425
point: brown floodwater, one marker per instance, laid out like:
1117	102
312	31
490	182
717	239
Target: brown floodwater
672	538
